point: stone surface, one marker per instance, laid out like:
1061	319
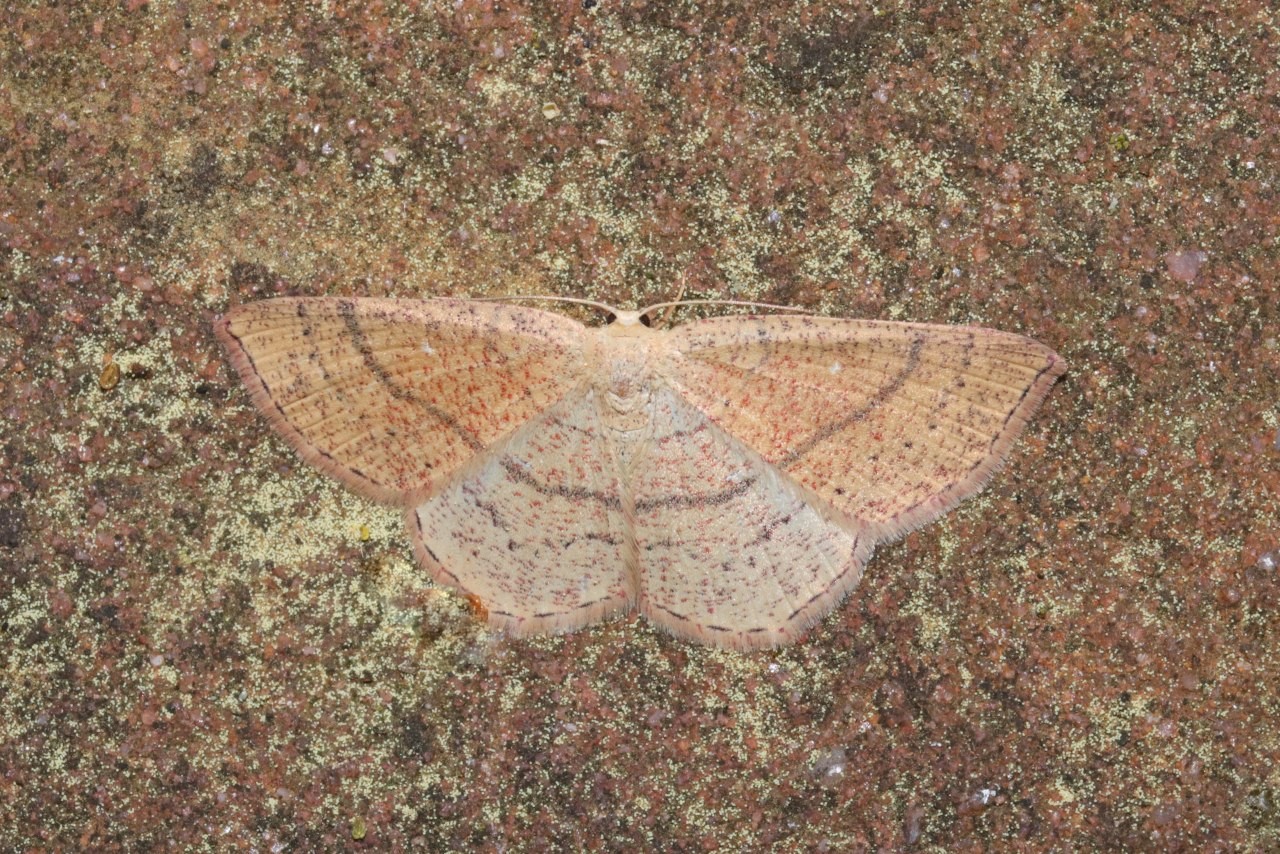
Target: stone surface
206	642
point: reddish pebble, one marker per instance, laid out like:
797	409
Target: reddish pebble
1184	265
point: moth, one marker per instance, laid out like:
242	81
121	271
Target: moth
727	478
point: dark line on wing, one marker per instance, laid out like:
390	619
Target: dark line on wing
824	591
679	434
257	375
519	475
346	309
708	626
607	539
542	614
422	538
1026	391
557	421
767	529
985	458
675	614
495	518
877	400
574	608
711	499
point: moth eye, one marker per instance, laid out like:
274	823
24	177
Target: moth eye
611	318
645	320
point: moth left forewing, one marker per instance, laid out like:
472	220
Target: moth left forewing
890	424
393	396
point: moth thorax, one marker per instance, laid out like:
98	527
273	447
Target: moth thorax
628	384
629	387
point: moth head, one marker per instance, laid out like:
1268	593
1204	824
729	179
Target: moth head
618	317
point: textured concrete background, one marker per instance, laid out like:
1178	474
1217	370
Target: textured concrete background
204	641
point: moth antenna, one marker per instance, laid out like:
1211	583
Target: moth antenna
644	312
647	309
608	309
670	307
